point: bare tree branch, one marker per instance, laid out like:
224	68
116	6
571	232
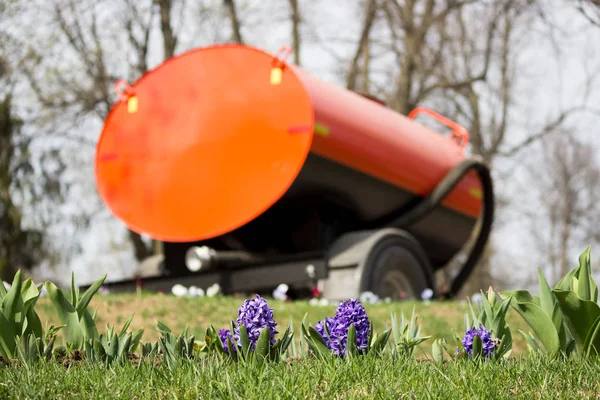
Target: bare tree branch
547	129
133	19
590	9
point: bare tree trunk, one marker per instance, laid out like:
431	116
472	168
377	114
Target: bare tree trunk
564	245
295	30
366	57
353	71
235	23
169	38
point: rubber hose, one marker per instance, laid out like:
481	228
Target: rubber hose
437	196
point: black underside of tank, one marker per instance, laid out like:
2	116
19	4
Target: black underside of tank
326	200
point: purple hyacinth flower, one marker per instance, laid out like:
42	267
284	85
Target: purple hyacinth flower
224	334
256	315
486	341
320	327
349	312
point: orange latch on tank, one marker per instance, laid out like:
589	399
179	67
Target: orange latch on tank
279	63
127	94
459	133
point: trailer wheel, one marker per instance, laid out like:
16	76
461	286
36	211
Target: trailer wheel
396	269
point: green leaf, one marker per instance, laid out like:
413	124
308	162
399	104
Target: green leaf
136	338
113	347
263	345
559	325
232	349
547	301
351	347
521	296
486	316
99	349
437	352
589	347
501	328
7	337
381	342
74	291
162	328
477	347
566	282
244	340
12	303
414	328
88	326
584	291
123	344
317	336
316	342
67	315
49	348
126	325
34	325
86	297
540	323
3	289
29	294
579	315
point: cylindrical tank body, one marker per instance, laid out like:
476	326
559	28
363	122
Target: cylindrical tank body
226	142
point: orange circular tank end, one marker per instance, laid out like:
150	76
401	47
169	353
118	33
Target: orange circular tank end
204	143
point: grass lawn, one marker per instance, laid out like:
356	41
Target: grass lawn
368	378
522	376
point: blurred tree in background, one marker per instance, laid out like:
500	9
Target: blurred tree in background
20	248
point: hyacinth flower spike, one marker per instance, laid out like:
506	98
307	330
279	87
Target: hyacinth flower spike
251	339
477	344
348	334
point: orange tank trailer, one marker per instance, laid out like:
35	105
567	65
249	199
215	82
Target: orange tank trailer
236	158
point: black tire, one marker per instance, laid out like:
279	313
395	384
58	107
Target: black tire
396	268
